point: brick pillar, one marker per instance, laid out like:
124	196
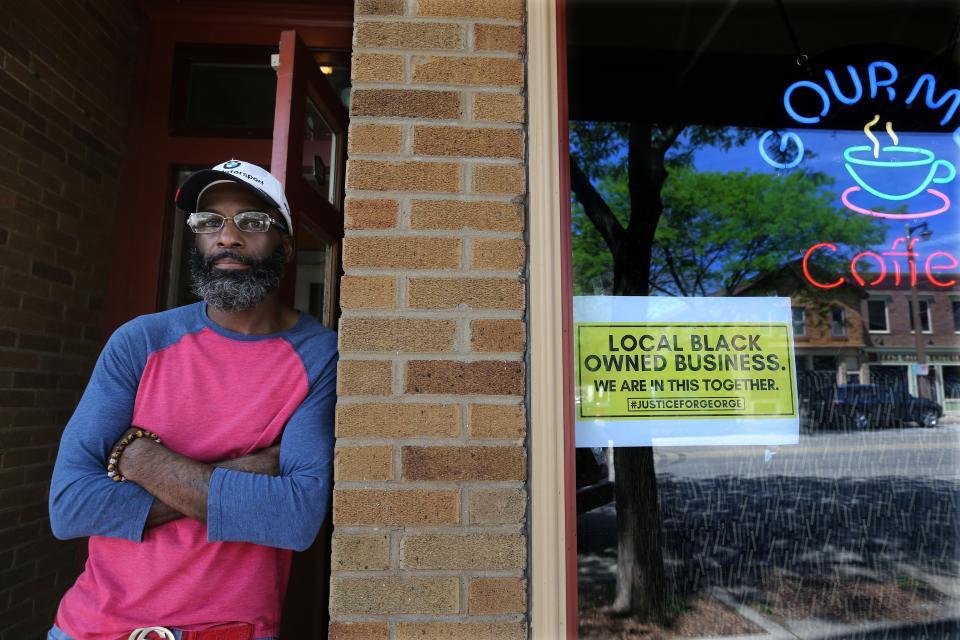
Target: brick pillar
431	470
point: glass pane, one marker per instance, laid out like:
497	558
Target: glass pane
730	156
924	315
799	321
231	95
877	310
319	153
179	290
313	266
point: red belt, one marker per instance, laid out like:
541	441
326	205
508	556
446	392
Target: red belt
235	631
231	631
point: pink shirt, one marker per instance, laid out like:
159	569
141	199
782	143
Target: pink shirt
210	395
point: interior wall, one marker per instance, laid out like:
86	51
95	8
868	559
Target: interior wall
67	80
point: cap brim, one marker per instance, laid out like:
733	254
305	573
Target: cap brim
195	184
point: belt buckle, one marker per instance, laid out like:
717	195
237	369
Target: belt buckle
144	633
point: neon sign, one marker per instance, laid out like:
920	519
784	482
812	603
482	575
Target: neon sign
881	265
874	82
901	176
914	166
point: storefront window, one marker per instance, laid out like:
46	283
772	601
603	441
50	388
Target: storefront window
743	175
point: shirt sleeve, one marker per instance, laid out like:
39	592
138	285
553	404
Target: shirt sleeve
83	500
283	511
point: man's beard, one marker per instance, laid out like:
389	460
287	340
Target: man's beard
235	289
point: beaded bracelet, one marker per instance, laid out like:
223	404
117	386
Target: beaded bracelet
113	463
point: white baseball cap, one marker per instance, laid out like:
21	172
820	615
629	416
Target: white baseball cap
255	178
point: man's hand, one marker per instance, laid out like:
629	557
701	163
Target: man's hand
179	484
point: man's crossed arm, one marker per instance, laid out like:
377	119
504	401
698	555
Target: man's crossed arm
179	484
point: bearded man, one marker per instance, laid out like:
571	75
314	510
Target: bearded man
200	453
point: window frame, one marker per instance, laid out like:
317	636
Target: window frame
553	570
803	321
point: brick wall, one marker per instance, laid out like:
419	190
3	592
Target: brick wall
65	100
898	317
430	496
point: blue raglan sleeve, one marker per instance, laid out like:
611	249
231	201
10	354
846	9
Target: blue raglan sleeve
284	511
83	500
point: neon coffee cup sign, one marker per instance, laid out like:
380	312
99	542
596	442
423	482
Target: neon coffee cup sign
901	176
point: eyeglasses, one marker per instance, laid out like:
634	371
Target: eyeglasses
246	221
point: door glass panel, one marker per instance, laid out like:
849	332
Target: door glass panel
315	262
731	156
319	153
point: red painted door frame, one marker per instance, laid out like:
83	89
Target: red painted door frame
139	249
299	81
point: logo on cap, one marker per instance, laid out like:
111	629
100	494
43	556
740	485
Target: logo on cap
231	164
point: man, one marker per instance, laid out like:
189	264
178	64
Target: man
190	529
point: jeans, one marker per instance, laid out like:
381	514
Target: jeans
56	633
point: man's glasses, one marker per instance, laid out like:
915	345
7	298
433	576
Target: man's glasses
246	221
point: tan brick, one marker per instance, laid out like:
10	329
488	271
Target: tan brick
393	594
461	630
377	175
350	552
358	631
498	253
446	377
390	420
464	463
497	506
497	421
377	67
368	292
497	335
380	507
364	378
497	37
397	334
466	215
506	9
479	70
379	7
405	103
370	214
374	138
467	142
475	293
486	551
401	253
409	35
363	464
498	178
498	107
490	596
